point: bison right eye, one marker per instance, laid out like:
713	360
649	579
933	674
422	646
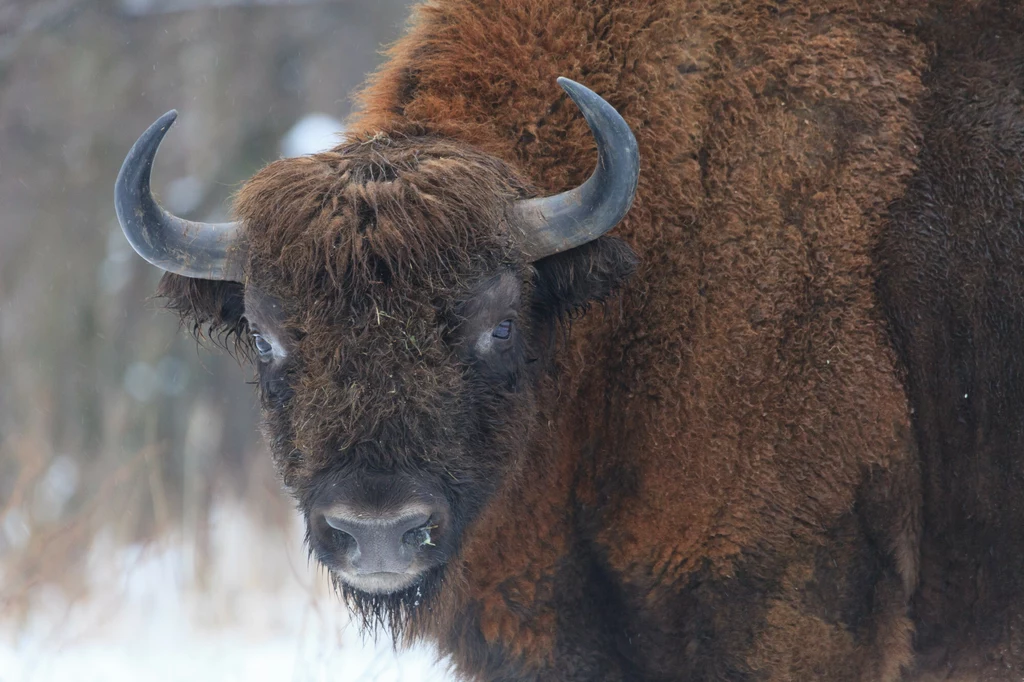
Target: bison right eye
503	330
263	347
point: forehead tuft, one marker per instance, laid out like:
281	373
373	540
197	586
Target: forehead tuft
384	212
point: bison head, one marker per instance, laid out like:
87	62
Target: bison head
399	296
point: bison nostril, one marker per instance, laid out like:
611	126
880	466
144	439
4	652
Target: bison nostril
341	537
335	539
421	536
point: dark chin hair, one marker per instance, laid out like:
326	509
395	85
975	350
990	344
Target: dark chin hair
402	614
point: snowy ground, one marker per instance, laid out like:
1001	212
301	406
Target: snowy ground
263	615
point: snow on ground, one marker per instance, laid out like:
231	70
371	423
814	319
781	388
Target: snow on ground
264	614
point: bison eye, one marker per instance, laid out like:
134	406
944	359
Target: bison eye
503	330
263	347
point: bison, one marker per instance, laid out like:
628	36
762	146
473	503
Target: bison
769	430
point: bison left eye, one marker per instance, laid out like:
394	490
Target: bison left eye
263	347
503	330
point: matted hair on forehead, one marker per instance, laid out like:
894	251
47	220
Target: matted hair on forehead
396	209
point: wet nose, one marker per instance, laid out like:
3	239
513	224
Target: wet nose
382	544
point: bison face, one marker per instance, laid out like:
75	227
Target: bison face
400	297
393	424
403	345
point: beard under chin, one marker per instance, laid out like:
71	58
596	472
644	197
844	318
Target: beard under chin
402	614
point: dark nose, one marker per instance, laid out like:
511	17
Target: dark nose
381	544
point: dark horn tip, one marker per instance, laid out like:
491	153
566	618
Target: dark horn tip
569	85
183	247
131	189
563	221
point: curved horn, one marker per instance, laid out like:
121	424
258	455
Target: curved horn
577	216
202	250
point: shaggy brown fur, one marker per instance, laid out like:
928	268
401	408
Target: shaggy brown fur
717	478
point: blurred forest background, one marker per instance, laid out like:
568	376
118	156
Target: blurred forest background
115	429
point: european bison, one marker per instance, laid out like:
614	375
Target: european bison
769	431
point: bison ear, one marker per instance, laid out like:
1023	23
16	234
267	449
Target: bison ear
213	309
568	282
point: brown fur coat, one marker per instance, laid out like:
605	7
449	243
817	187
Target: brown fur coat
724	481
734	432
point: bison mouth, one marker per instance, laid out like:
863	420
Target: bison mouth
382	582
397	610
